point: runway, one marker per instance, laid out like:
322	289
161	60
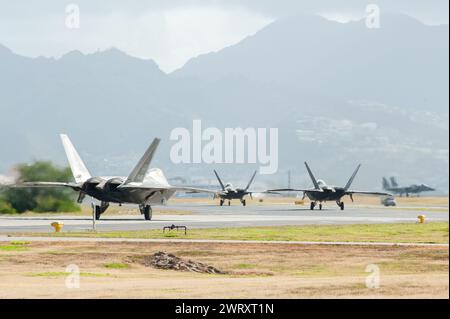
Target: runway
211	216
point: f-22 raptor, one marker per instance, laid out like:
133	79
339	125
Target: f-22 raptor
323	193
144	186
228	192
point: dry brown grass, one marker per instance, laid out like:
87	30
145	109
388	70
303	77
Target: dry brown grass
259	271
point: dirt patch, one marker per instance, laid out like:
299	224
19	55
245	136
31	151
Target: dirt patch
162	260
253	271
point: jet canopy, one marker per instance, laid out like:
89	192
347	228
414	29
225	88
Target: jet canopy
321	183
229	186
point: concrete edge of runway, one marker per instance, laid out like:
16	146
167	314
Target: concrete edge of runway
208	241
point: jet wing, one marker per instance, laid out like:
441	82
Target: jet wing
193	190
175	188
74	186
368	193
295	190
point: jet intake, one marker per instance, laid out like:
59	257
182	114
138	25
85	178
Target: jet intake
88	185
110	184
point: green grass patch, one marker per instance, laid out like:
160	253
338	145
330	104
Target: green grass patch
116	266
245	266
20	243
13	248
433	232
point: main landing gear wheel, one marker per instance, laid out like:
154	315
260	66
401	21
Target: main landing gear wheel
147	211
221	202
341	205
229	203
312	206
244	203
320	206
148	214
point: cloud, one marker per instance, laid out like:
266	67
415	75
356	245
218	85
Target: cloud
170	32
170	36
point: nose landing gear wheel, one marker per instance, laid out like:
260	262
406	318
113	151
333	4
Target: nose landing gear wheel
98	212
100	209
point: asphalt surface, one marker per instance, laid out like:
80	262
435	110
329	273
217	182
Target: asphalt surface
210	216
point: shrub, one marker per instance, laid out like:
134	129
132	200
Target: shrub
6	208
54	199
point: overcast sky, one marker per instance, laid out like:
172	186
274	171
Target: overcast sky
171	32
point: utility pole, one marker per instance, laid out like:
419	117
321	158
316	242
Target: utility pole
93	217
289	182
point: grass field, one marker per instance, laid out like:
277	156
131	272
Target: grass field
404	233
115	270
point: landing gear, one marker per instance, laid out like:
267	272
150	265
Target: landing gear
244	203
341	205
320	206
229	203
312	206
99	210
221	202
146	210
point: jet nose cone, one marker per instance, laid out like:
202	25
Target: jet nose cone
428	188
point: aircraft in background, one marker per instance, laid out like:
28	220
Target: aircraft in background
144	186
229	193
323	193
412	189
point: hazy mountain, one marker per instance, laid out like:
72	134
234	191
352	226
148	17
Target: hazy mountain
403	62
339	93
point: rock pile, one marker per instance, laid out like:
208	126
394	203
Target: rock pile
162	260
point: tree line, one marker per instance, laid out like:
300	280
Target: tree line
19	200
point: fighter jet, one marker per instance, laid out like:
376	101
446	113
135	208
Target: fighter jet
323	193
229	193
412	189
144	186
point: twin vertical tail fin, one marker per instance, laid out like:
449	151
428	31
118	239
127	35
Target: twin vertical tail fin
137	175
251	181
350	181
394	181
220	181
81	173
386	184
79	170
314	180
